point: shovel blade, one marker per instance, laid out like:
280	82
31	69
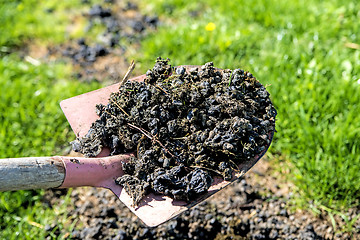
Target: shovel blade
153	209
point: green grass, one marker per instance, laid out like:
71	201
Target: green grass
25	216
28	20
32	124
296	46
31	121
300	49
43	22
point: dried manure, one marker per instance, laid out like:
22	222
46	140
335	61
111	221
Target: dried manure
185	126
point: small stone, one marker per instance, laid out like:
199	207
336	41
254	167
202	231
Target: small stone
283	213
180	70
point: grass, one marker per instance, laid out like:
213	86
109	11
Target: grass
308	52
32	124
29	20
43	22
25	216
31	121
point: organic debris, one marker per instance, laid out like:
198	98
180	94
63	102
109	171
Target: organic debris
185	126
112	28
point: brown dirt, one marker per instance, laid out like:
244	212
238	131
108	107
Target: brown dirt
255	207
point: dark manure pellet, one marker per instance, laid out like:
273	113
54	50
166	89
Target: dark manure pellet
184	126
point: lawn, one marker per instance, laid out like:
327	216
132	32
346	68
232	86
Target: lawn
308	54
31	121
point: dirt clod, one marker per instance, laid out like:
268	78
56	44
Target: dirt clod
184	126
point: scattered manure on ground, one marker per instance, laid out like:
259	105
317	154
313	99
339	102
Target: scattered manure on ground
185	126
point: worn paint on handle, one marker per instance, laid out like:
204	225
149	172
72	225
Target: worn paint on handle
30	173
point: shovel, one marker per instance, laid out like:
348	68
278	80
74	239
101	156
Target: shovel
67	172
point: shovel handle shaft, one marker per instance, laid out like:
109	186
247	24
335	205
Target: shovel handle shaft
31	173
63	172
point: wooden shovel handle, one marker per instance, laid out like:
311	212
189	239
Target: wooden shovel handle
31	173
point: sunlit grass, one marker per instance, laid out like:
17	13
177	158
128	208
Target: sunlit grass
302	49
308	52
31	121
32	124
44	22
25	216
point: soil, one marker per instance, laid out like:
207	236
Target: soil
124	25
254	207
103	57
184	126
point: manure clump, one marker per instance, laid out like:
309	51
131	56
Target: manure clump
185	126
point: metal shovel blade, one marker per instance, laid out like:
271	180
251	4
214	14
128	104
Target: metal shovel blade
153	209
